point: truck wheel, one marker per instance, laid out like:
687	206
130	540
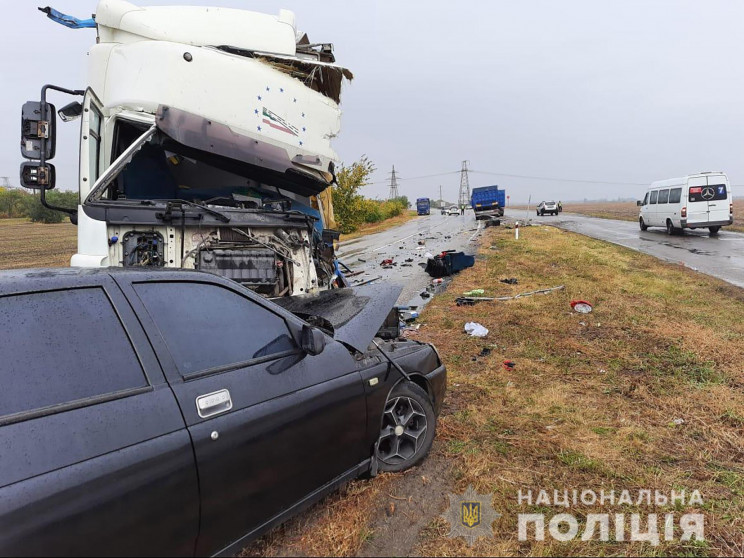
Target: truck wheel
407	430
644	226
714	230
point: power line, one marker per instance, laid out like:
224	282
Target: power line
528	177
552	179
414	177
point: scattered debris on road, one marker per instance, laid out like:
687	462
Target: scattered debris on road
474	292
471	300
475	329
448	262
581	306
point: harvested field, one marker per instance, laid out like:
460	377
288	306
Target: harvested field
26	244
644	393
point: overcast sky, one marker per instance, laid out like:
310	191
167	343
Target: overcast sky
616	92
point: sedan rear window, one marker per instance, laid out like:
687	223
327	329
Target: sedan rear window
60	347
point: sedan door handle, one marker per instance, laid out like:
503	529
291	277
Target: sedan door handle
213	403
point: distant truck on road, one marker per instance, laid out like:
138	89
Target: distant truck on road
423	206
488	201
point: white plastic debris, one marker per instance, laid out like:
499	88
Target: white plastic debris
475	329
678	421
429	255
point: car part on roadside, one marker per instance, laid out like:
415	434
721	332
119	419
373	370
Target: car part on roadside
475	329
471	300
407	429
474	292
581	306
448	262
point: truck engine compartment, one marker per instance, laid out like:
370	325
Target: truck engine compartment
172	206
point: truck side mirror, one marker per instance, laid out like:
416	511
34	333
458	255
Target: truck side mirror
639	203
36	177
36	127
71	111
312	340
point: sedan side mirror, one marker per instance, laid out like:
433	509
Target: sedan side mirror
312	340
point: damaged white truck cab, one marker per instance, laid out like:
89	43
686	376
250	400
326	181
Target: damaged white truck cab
205	143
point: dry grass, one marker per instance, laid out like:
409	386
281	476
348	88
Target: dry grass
337	526
26	244
628	211
372	228
592	405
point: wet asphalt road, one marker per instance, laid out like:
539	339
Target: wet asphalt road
721	256
437	232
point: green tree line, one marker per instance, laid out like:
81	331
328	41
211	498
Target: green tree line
19	203
351	208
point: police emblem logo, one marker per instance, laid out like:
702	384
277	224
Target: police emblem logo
470	516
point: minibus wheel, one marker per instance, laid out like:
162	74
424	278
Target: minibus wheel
644	226
714	230
670	227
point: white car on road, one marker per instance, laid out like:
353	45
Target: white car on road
453	211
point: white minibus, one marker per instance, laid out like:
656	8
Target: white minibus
702	200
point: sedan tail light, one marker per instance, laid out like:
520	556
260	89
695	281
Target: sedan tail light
683	213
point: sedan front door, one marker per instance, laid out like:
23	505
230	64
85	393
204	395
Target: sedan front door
270	424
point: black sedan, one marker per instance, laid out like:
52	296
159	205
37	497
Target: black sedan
175	412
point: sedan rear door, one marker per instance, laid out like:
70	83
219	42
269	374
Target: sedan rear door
96	459
270	424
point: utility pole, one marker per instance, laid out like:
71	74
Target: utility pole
393	185
464	197
441	201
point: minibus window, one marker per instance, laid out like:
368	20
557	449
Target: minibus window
711	192
675	194
653	196
663	196
645	199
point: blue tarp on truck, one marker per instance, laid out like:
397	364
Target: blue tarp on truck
488	201
423	206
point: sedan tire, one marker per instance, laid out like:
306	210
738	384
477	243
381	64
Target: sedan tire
407	430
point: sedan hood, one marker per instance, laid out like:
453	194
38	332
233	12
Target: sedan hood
356	314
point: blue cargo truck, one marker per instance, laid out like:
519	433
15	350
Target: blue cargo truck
423	206
488	201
